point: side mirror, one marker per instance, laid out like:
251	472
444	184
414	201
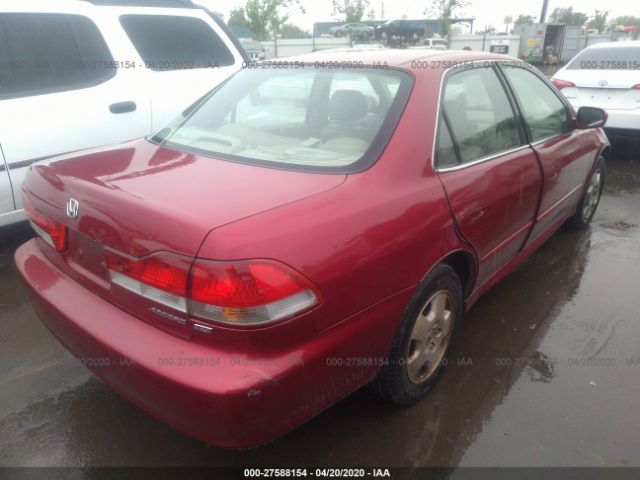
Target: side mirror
591	117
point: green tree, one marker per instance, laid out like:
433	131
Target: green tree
524	20
444	11
289	30
624	21
598	21
568	17
264	17
237	16
353	10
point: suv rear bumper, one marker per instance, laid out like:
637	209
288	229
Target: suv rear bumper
193	387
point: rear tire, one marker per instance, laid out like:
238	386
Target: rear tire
591	198
419	349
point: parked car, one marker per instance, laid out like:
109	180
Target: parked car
80	74
299	233
432	43
253	49
606	75
355	30
400	28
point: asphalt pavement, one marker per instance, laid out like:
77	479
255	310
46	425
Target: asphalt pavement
545	373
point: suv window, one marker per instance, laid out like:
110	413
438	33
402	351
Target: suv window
544	113
49	52
479	114
175	43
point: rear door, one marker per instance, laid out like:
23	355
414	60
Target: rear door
62	91
491	176
566	153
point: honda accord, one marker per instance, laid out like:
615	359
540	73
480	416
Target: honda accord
303	230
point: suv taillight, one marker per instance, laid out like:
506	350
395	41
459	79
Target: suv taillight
240	293
636	86
51	231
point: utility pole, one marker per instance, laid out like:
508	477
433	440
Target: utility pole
543	13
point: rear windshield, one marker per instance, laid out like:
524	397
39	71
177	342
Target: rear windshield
609	58
311	119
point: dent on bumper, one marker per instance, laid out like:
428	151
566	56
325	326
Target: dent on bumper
197	389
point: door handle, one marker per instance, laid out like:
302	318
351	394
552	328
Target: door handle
122	107
469	218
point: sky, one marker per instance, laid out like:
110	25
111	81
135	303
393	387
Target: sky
486	12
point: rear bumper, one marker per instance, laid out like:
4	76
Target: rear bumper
204	392
618	119
623	119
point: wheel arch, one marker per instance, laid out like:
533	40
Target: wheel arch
464	264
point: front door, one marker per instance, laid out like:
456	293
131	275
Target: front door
490	174
565	153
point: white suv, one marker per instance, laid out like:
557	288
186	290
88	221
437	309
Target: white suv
77	74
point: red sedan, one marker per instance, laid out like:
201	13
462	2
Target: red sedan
300	232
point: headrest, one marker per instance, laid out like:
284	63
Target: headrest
347	105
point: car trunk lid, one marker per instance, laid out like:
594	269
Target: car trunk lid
609	89
139	199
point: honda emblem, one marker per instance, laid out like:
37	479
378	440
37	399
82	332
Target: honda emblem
72	208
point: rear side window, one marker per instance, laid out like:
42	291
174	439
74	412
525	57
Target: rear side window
480	116
46	53
446	153
544	113
607	58
175	43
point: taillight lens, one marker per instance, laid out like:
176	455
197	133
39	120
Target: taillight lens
161	278
636	86
51	231
560	84
239	293
248	293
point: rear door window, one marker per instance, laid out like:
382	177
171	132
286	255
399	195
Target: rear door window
47	53
480	116
544	113
166	42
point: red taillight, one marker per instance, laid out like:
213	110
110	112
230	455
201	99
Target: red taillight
239	293
636	86
51	231
161	278
249	292
560	84
166	273
242	285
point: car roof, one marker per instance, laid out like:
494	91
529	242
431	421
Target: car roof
621	44
393	57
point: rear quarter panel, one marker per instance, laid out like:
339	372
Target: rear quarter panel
375	235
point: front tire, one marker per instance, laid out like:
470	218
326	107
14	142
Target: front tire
591	198
418	351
